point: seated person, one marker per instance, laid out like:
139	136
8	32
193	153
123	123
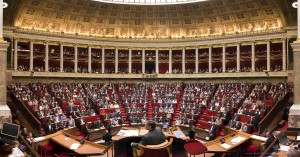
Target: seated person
244	128
251	121
81	121
232	124
268	142
29	139
153	137
212	131
238	126
97	124
115	121
70	122
165	126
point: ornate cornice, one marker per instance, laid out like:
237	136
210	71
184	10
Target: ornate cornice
153	43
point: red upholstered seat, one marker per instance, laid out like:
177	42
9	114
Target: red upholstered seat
195	147
253	150
44	149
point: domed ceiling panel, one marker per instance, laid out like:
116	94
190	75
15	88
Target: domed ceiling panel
86	17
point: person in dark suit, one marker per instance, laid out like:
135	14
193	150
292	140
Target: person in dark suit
236	117
153	137
251	121
212	131
85	129
107	137
48	128
192	132
268	142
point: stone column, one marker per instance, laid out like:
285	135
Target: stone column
5	113
31	55
197	60
116	60
89	58
16	54
130	61
294	114
284	54
252	56
103	60
224	59
61	57
183	60
238	56
143	60
46	56
170	60
76	58
156	61
210	59
268	56
1	21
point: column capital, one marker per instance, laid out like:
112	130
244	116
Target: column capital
75	45
253	41
16	38
284	39
46	41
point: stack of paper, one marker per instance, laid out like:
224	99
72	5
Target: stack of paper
128	133
259	138
39	139
74	146
225	145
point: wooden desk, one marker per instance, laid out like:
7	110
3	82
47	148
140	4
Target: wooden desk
96	134
215	145
84	149
122	143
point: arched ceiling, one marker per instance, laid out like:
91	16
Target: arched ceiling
213	17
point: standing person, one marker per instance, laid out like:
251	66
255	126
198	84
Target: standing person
107	137
153	137
192	132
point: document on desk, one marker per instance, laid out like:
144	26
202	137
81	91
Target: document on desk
128	133
178	134
225	145
284	148
237	140
39	139
74	146
259	138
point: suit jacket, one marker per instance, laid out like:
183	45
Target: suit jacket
153	137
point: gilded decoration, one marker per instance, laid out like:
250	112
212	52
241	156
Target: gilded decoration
209	18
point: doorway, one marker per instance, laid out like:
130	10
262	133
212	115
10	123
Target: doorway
150	67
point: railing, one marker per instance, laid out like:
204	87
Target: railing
29	149
36	124
269	120
267	151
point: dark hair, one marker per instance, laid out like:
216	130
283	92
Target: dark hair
152	124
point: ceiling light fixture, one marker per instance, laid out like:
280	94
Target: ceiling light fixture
5	5
295	5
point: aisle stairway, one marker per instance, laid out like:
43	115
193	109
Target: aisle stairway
150	106
177	107
122	108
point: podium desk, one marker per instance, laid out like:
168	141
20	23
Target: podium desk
96	134
216	144
122	143
66	140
